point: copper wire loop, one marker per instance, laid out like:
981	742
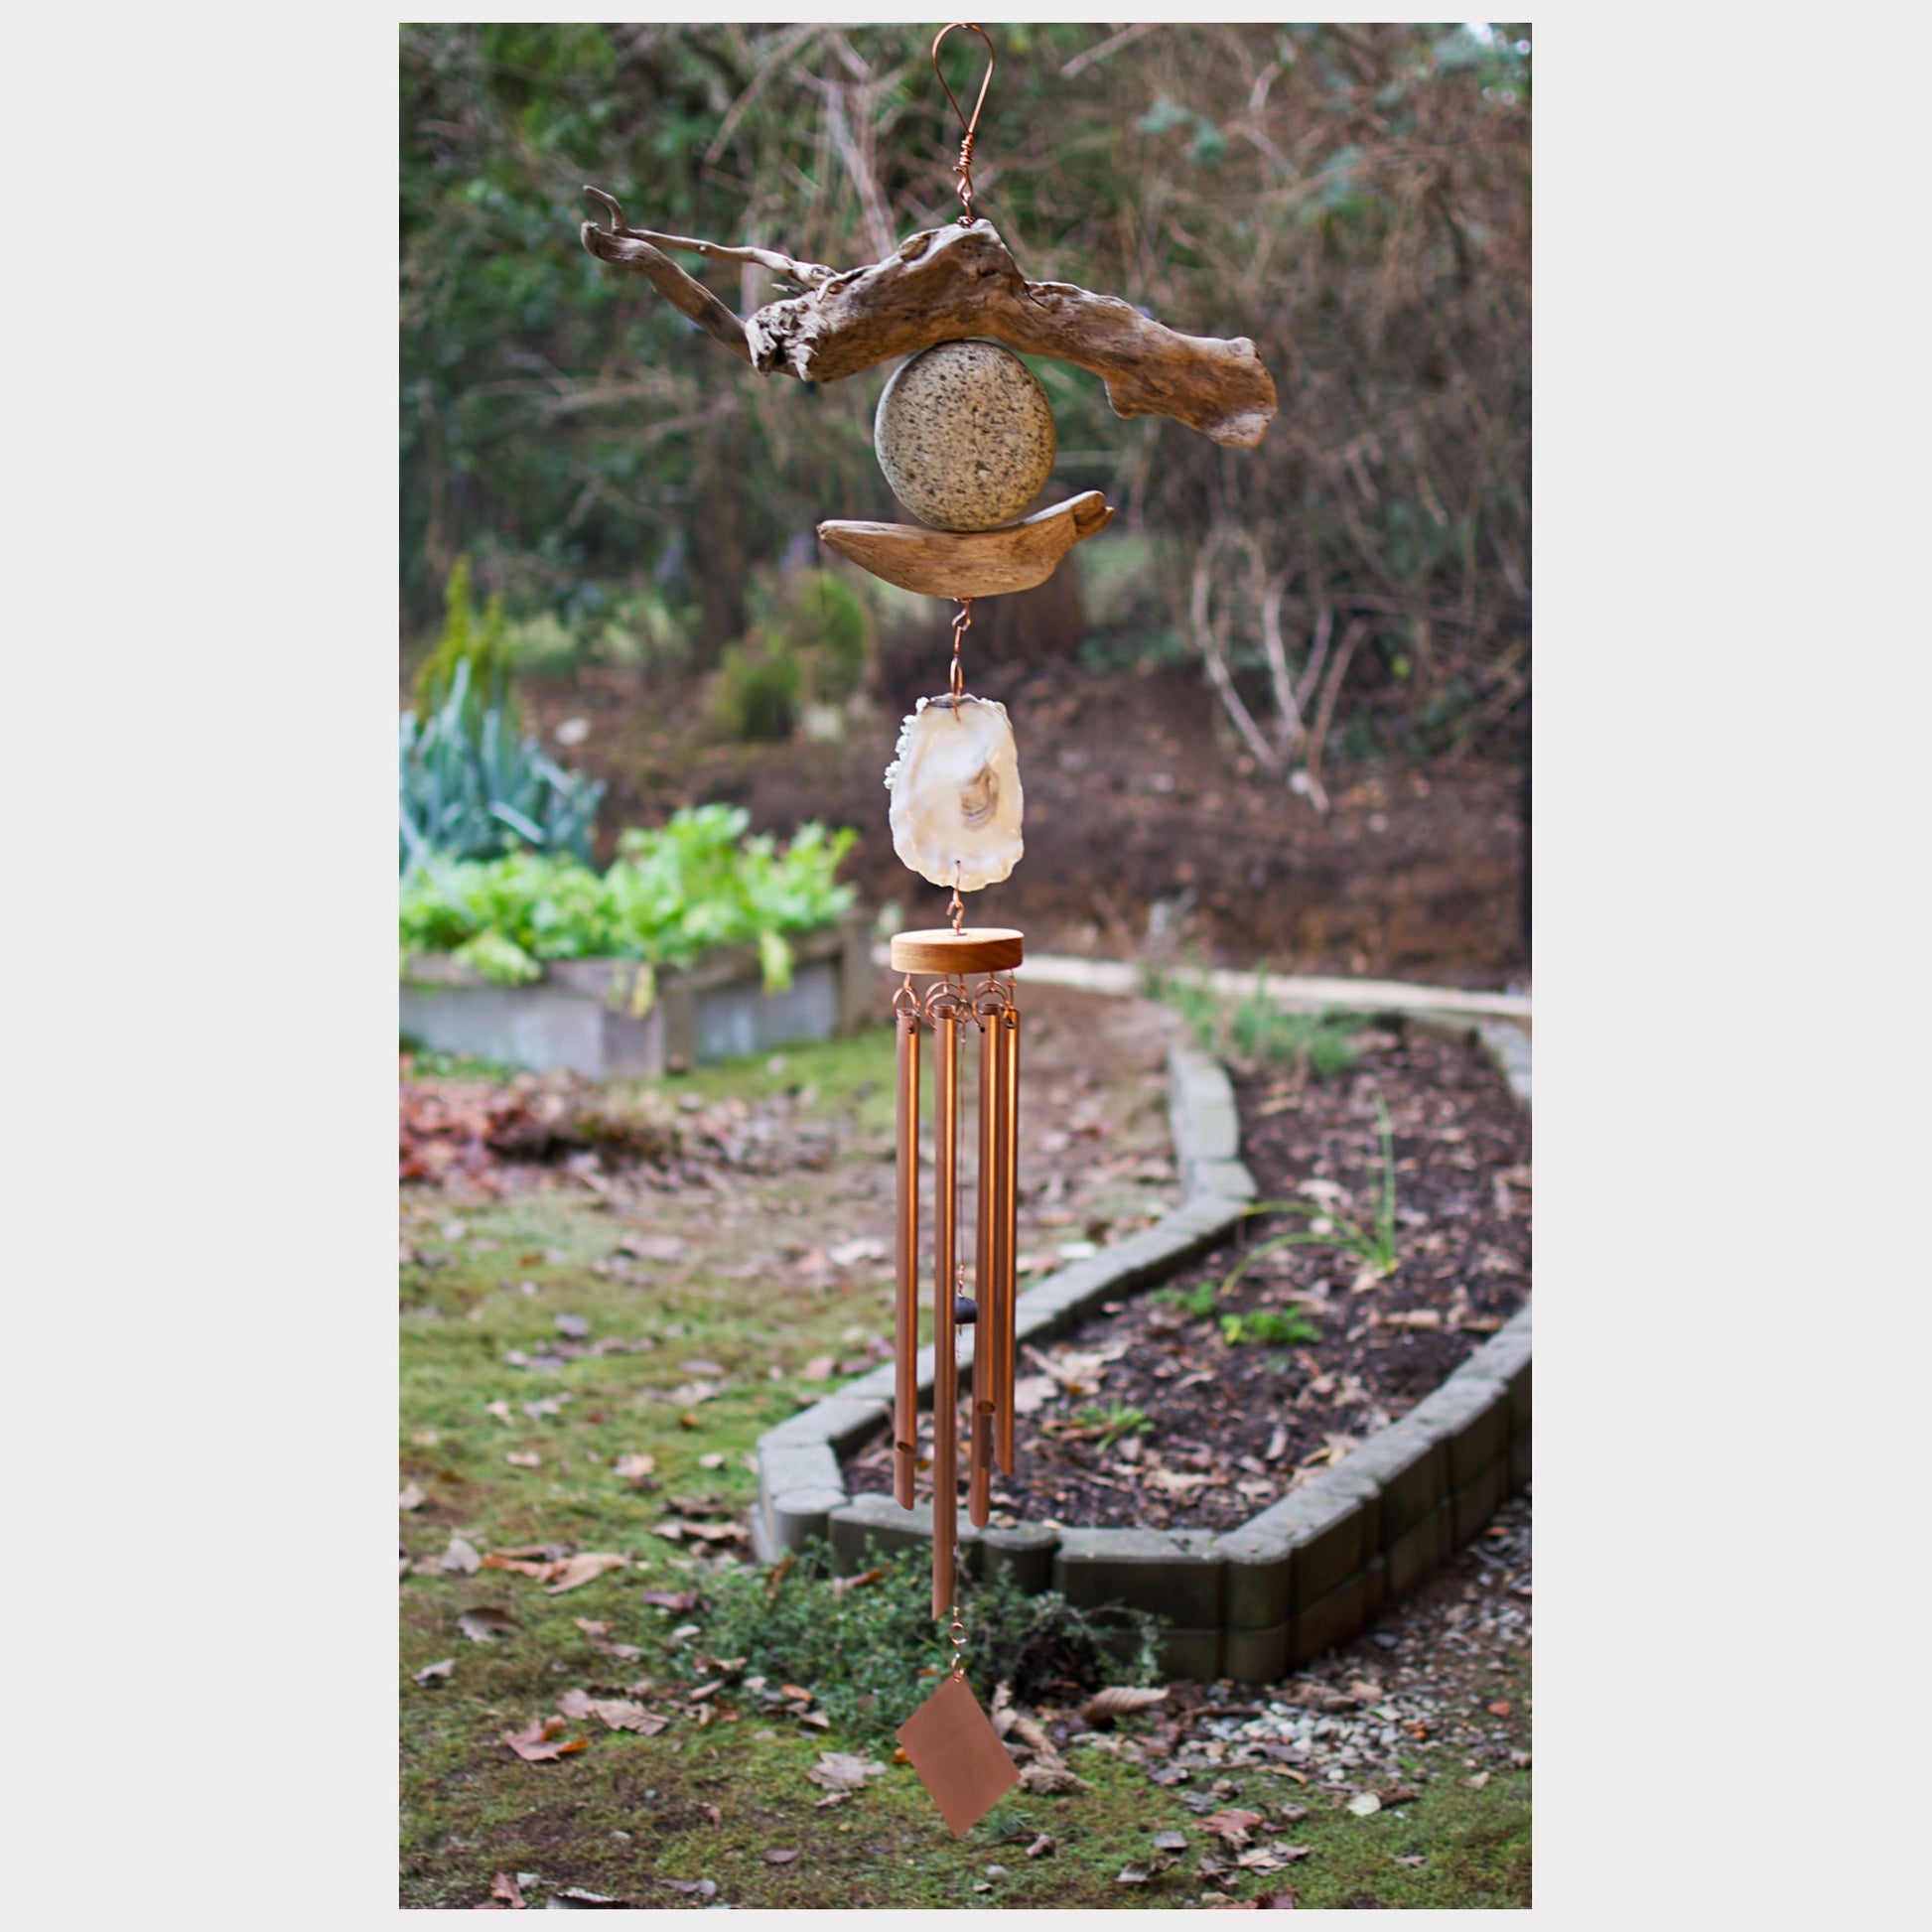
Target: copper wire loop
963	166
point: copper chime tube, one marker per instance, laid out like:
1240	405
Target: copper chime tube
905	1301
946	1364
987	1326
1006	1231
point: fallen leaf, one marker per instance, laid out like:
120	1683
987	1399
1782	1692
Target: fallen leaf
1365	1804
435	1673
1414	1857
1032	1392
615	1714
701	1887
844	1771
461	1558
779	1853
1281	1901
543	1740
506	1888
840	1584
1170	1840
524	1459
711	1461
849	1254
575	1895
1397	1794
574	1325
1050	1780
670	1600
1132	1874
411	1497
485	1625
1500	1708
1478	1781
818	1369
1117	1701
1043	1847
581	1569
1232	1826
653	1247
698	1366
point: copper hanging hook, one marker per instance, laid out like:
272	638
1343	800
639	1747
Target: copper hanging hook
963	166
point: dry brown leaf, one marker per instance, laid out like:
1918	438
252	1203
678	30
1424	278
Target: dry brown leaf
542	1740
633	1468
615	1714
844	1771
461	1558
818	1369
840	1584
780	1854
410	1497
524	1566
670	1600
485	1624
506	1888
584	1568
1048	1781
1119	1701
524	1459
1231	1826
1043	1847
435	1673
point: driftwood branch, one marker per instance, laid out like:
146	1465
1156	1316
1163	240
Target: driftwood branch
948	284
689	298
978	563
809	273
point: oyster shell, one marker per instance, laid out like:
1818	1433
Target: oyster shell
956	797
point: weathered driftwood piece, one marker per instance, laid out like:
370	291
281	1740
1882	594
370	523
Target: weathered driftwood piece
670	281
808	273
949	284
980	563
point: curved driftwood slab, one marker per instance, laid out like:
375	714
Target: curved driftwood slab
978	563
950	284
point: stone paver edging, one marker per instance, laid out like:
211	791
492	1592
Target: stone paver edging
1250	1603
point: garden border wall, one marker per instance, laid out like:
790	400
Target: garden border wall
1308	1572
583	1014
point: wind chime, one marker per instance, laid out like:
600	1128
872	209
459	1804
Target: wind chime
964	434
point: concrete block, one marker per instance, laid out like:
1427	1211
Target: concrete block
1419	1550
810	1465
1210	1218
872	1527
1229	1180
1255	1592
1331	1620
1471	1417
1328	1530
1200	1108
1409	1463
1256	1656
1472	1506
1025	1555
1179	1573
1519	1463
876	1385
842	1421
798	1515
1195	1654
1376	1576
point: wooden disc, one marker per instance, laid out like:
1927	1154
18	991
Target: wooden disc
940	949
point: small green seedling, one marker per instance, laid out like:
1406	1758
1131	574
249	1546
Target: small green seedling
1196	1302
1114	1423
1269	1326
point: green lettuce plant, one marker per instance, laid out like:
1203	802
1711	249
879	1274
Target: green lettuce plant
673	893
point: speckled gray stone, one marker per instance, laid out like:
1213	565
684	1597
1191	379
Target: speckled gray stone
965	435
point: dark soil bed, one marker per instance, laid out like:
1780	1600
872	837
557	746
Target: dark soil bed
1149	1415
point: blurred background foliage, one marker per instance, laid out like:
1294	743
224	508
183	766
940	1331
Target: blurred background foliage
1355	198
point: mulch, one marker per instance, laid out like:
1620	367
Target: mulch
1149	1416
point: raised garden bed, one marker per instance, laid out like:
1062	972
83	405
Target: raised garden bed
614	1019
1262	1581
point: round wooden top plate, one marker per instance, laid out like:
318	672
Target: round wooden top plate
940	949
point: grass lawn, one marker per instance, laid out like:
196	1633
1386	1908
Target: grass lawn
733	1319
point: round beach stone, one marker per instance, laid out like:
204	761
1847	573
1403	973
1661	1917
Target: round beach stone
965	435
